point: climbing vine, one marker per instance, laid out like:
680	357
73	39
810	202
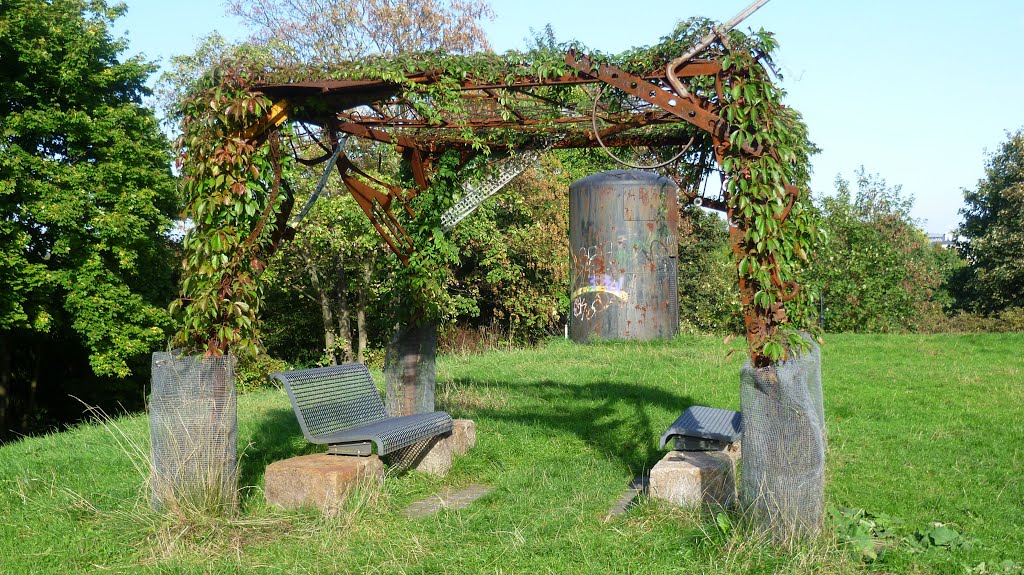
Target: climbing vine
232	171
425	282
231	187
773	224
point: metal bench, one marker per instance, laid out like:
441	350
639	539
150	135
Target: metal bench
702	428
339	406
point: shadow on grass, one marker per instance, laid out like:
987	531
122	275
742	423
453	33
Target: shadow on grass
277	436
622	420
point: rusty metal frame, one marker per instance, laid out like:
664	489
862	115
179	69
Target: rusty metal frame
377	110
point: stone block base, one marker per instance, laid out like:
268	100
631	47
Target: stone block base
463	436
435	457
735	452
693	478
319	480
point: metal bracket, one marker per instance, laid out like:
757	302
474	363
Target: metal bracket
686	108
361	448
507	170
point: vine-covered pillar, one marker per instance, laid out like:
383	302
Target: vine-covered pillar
422	283
231	163
773	229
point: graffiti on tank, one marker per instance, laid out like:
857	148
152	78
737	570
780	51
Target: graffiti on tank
604	283
598	281
600	258
587	307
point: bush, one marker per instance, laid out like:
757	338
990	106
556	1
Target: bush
1010	320
251	372
877	271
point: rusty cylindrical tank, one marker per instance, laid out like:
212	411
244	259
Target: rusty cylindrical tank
624	241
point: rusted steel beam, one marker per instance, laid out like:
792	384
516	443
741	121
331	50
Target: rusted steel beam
717	205
694	68
494	95
495	122
365	92
589	139
686	109
419	172
689	109
377	207
368	133
578	141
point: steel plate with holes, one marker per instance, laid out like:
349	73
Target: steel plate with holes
704	428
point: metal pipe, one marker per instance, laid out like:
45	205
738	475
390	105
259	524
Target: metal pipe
670	68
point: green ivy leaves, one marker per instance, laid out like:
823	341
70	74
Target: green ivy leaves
228	187
776	231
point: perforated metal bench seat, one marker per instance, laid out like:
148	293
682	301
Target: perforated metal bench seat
703	428
339	406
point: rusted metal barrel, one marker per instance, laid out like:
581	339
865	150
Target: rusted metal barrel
624	237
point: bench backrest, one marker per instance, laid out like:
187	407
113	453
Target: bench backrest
332	399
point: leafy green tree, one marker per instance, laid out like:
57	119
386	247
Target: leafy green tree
331	268
514	255
86	196
877	271
709	300
993	232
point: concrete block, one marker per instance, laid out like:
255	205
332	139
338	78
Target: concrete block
463	436
435	456
692	478
319	480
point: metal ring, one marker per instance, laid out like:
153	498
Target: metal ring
593	120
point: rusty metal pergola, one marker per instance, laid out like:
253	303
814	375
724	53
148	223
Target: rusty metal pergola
675	106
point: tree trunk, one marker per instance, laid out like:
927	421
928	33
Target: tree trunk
344	313
325	307
33	387
5	383
364	287
409	369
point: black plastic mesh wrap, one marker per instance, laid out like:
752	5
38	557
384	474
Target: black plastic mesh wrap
783	474
193	430
410	367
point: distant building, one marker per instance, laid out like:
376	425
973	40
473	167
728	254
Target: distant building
945	240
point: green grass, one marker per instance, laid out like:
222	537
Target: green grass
923	428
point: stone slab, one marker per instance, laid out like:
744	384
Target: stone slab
693	478
435	456
636	487
320	480
448	499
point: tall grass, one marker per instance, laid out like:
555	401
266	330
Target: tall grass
921	428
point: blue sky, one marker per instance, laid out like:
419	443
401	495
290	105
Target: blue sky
915	91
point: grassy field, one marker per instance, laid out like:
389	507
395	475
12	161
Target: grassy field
921	428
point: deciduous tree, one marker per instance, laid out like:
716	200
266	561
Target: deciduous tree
85	198
329	31
993	232
877	270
